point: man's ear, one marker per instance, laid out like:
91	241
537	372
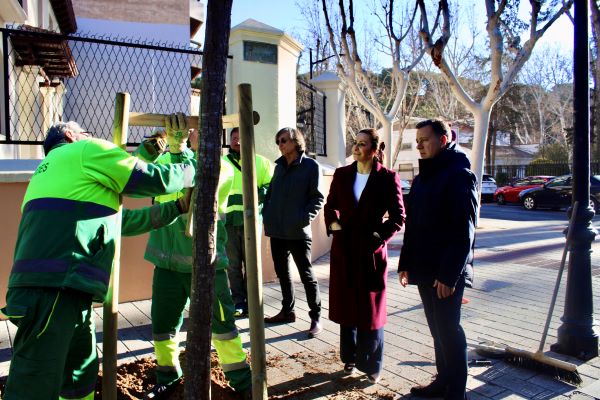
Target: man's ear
444	140
70	136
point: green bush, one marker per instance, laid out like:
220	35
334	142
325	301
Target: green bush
502	179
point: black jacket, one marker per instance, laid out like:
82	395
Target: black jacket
293	199
440	221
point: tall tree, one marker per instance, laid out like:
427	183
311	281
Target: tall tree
214	67
384	106
507	55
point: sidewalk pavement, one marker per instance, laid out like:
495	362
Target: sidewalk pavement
515	270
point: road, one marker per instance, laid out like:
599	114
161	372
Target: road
515	212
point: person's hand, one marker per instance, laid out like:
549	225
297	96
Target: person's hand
177	132
185	201
155	145
194	139
335	226
443	291
403	278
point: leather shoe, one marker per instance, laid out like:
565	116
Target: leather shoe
434	389
315	328
281	318
162	392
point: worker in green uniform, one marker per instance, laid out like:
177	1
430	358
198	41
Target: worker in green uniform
171	252
64	255
234	221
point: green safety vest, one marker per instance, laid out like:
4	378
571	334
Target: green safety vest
235	203
66	237
169	247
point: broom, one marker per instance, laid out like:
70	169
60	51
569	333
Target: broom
561	370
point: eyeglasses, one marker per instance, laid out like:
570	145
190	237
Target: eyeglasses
281	141
86	133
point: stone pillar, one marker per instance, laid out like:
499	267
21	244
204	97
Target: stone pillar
335	111
266	58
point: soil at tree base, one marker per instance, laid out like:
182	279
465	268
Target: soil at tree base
299	376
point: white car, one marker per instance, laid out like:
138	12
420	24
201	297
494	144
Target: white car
488	188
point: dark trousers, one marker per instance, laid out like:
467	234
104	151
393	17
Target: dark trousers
300	251
450	343
236	271
363	348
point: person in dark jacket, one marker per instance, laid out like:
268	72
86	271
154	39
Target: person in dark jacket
437	251
293	200
360	196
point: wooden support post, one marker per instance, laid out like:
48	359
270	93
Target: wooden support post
111	304
251	240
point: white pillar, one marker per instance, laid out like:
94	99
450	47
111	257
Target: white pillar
266	58
335	111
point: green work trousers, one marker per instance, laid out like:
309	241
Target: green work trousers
170	294
54	350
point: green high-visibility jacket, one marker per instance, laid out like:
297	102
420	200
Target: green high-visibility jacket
169	247
66	237
235	204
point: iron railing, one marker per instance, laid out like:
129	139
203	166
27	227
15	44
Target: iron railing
311	117
50	77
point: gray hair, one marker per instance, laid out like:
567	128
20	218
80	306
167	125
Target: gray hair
56	134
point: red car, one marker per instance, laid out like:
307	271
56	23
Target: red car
510	194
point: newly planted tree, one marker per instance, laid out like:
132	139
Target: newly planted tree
214	66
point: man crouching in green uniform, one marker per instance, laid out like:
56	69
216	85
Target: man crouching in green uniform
64	255
170	250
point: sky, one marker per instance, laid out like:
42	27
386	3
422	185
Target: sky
284	15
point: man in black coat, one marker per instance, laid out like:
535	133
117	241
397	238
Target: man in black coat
437	251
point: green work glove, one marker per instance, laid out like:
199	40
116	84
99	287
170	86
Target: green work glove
177	132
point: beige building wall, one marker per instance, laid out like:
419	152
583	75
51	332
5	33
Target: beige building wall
136	273
147	11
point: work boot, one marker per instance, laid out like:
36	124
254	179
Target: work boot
281	318
434	389
161	391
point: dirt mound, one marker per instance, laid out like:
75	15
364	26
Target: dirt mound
300	376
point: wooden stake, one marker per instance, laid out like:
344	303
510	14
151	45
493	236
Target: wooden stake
111	304
251	240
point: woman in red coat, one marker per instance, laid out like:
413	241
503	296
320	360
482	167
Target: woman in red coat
360	196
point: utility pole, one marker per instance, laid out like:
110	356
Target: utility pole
577	335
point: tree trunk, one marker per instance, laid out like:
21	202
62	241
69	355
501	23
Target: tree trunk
482	119
214	66
387	138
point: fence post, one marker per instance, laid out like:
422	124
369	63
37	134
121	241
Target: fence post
6	85
111	304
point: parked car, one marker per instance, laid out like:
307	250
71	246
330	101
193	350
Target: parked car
557	193
488	187
510	193
405	188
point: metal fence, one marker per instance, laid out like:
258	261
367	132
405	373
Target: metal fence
311	117
50	77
